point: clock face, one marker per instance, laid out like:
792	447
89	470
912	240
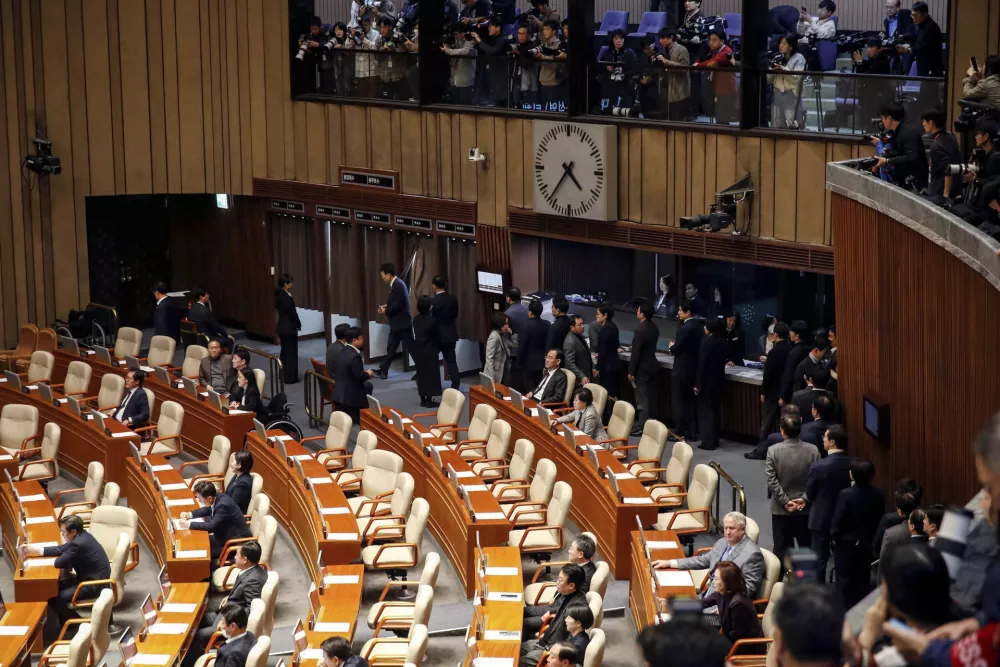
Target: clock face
570	171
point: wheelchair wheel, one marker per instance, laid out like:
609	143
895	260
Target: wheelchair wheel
286	425
64	331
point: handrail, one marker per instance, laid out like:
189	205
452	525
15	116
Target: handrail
739	497
275	376
313	396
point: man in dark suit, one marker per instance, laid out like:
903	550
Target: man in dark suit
568	585
710	381
223	519
133	411
823	416
560	324
770	389
531	346
576	352
910	158
815	359
787	470
609	363
336	347
926	48
397	309
161	314
216	370
350	394
852	530
201	314
80	558
816	379
444	308
288	328
899	21
236	649
827	478
552	387
894	518
643	366
799	351
240	487
581	552
685	371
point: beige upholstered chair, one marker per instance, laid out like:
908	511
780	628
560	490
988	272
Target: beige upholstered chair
697	517
402	615
269	594
514	473
77	382
266	534
596	603
543	592
217	463
18	428
477	430
260	652
128	343
334	453
109	395
27	339
448	412
117	580
168	441
40	368
46	467
349	478
739	654
91	491
46	342
261	377
383	527
753	530
493	453
593	656
378	482
191	366
161	351
255	620
150	398
620	424
260	505
428	577
772	575
599	582
100	638
532	509
77	651
567	396
649	451
600	395
397	650
400	556
546	538
107	523
675	476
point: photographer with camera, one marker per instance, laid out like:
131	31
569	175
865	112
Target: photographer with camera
901	151
311	55
943	151
786	111
536	17
551	74
390	67
982	173
675	86
336	49
982	82
616	85
872	92
366	65
493	47
524	77
725	95
463	67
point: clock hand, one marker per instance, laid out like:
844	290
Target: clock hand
569	172
555	189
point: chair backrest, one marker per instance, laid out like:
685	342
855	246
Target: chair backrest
558	509
27	339
47	340
269	594
366	443
170	423
827	52
339	431
95	482
651	22
259	654
679	465
417	645
255	620
520	462
266	538
17	422
150	398
498	444
100	619
261	377
380	473
481	421
432	566
256	484
402	497
416	523
40	369
118	561
596	603
78	376
161	351
112	492
734	25
753	530
79	647
108	522
613	20
543	482
112	391
704	484
193	354
218	458
570	386
622	418
422	605
50	444
772	574
599	582
594	655
600	395
652	442
452	404
260	505
767	623
128	343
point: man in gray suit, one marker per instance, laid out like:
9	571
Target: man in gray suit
216	370
735	547
787	469
578	359
906	501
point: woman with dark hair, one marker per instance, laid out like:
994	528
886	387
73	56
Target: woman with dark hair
288	328
240	484
787	87
736	613
425	353
579	619
666	303
250	401
498	346
735	338
584	416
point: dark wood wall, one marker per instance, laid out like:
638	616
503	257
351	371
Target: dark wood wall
922	329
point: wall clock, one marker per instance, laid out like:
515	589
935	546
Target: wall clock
576	170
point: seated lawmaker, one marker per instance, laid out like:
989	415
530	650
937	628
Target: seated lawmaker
216	370
569	594
240	487
79	558
133	411
337	653
201	314
565	654
736	613
241	360
552	388
735	547
222	517
579	619
250	400
236	649
581	552
584	416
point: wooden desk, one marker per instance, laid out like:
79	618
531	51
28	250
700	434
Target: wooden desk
176	645
499	615
335	532
15	650
37	583
449	519
143	489
641	596
202	422
339	606
595	507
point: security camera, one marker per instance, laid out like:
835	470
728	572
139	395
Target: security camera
476	155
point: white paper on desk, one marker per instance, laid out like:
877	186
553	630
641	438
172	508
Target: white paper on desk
30	521
302	457
327	511
320	480
441	448
30	387
407	420
624	475
534	412
34	497
204	394
168	628
162	468
342	537
44	544
501	572
332	627
502	635
90	351
151	659
465	473
148	369
39	562
6	457
60	401
493	662
579	434
240	412
474	487
491	516
180	502
503	597
283	437
3	380
125	434
643	500
507	398
13	630
311	654
174	487
668	544
197	553
331	579
674	578
178	608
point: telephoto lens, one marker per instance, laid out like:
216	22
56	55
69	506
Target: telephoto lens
953	536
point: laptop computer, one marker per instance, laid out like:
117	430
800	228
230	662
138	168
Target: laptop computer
592	455
103	355
149	616
314	603
74	406
10	483
164	578
299	638
215	400
642	537
261	431
99	419
161	374
13	380
70	345
45	391
132	363
612	480
482	554
284	454
127	647
487	382
517	399
545	417
375	406
190	386
436	455
3	607
397	421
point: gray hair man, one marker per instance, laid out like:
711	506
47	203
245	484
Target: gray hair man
735	547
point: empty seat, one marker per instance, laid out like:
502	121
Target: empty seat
128	343
77	381
161	351
91	490
531	510
385	527
620	424
493	453
217	463
402	615
516	472
649	451
697	518
18	427
78	649
349	478
676	473
46	466
100	638
448	412
334	453
478	428
378	482
546	538
650	24
167	430
46	342
428	577
108	522
27	339
613	20
734	25
398	650
40	368
397	557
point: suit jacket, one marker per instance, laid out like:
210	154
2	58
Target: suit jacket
774	370
713	352
555	390
904	23
577	358
608	361
745	553
240	489
203	316
397	306
228	372
803	367
813	432
686	348
643	361
910	159
137	409
84	555
557	626
856	516
557	333
736	346
888	520
332	353
517	313
927	49
896	535
288	317
498	349
531	348
235	653
787	469
587	421
161	318
223	519
251	401
796	354
247	587
804	399
350	387
827	478
444	308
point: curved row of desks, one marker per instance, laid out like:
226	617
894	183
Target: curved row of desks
643	592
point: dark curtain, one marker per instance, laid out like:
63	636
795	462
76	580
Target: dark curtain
418	265
378	250
292	244
345	267
608	269
461	267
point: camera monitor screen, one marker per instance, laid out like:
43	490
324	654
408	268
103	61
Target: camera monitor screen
489	282
876	417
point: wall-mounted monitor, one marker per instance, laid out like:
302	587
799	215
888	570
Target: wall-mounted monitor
876	417
490	282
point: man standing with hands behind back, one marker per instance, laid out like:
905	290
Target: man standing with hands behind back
787	469
444	308
397	309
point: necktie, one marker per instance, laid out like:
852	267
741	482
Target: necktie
121	408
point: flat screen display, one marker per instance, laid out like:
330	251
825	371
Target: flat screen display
489	282
871	419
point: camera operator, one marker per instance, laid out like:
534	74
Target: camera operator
311	54
982	179
366	65
550	74
494	48
524	77
906	156
675	94
725	92
463	68
983	82
786	101
872	92
943	151
539	13
616	85
390	67
341	41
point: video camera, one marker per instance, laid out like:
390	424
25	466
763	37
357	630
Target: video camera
976	162
699	29
971	113
857	41
880	133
